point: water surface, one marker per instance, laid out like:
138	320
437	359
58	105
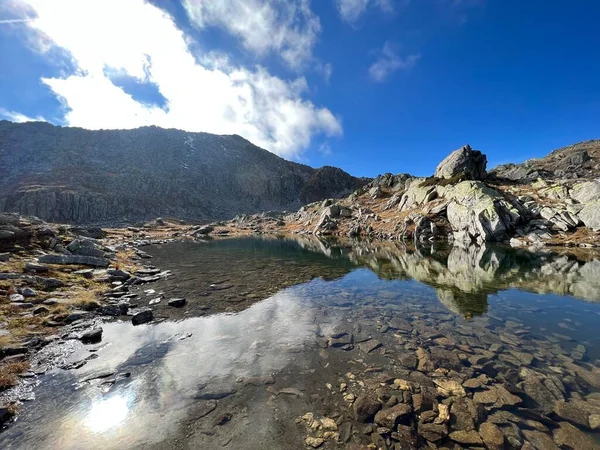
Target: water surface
253	350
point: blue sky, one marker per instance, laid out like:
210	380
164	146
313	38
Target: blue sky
371	86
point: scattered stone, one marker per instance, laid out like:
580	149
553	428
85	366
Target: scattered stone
92	336
142	316
570	437
389	417
432	432
539	440
491	435
365	408
314	442
177	302
449	388
466	437
74	260
498	396
4	257
573	412
37	268
369	345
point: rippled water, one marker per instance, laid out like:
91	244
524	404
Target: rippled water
203	378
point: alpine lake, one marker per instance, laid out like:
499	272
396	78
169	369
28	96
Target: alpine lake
294	343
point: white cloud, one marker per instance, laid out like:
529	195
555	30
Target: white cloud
325	149
351	10
14	116
388	62
142	41
287	27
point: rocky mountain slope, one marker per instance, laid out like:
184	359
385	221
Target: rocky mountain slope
580	160
119	176
552	200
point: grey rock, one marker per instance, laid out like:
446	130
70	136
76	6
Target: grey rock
74	260
177	302
142	316
432	432
466	162
539	440
37	268
92	336
4	257
590	215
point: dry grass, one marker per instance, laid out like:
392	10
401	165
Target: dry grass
9	373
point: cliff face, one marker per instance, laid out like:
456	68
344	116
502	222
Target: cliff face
109	176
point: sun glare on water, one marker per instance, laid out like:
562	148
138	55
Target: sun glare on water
106	414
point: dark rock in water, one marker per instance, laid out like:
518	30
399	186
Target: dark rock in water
567	436
214	395
345	432
466	437
492	436
432	432
389	417
409	360
142	316
365	408
398	323
74	260
113	310
92	336
341	339
539	440
177	302
5	415
406	436
369	346
464	162
538	395
573	412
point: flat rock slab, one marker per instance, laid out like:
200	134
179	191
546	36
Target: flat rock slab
74	259
142	316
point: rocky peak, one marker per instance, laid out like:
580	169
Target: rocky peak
72	175
465	162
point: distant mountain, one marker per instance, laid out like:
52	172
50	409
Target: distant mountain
111	176
580	160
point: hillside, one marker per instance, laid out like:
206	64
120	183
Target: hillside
119	176
581	160
548	201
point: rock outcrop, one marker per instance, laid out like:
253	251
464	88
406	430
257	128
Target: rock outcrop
74	175
465	162
581	160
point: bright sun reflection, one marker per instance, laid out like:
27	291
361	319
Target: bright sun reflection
106	414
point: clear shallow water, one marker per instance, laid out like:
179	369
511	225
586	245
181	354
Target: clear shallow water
461	300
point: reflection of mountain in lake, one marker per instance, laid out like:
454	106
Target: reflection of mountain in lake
464	276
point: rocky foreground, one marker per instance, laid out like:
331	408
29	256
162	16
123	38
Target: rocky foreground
526	205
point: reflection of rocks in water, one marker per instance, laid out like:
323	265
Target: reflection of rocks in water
464	303
465	275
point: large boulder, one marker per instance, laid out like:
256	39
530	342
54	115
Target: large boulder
590	215
464	162
479	213
586	192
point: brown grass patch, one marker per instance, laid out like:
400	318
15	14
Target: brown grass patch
9	372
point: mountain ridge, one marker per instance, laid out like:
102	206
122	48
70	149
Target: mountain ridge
65	174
